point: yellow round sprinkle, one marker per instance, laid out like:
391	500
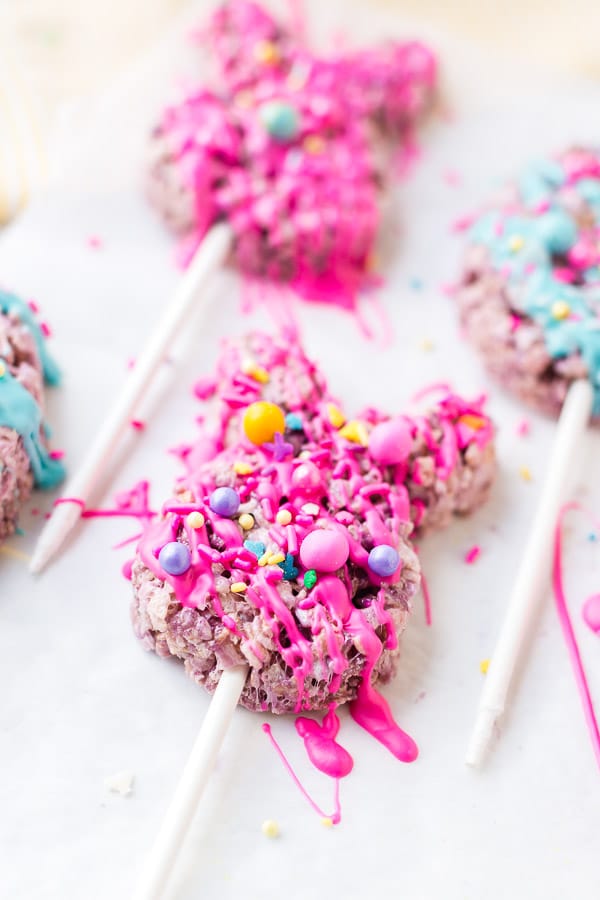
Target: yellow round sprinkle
261	422
276	558
561	309
195	520
327	821
283	517
484	666
246	521
270	828
356	432
336	416
266	52
313	144
238	587
242	468
516	243
525	473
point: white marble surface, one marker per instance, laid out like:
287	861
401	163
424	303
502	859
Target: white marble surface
82	701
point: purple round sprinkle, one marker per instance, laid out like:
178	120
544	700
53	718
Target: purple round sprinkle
225	501
175	558
384	560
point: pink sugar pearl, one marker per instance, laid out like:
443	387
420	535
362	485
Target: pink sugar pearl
390	442
325	550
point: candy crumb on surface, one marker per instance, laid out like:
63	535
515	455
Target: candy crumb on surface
119	783
484	666
270	828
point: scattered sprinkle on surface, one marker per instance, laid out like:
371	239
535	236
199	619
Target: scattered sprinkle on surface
525	473
327	822
523	428
484	666
119	783
472	554
95	242
270	828
426	345
592	537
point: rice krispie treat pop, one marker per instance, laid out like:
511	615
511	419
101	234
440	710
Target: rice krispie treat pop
25	460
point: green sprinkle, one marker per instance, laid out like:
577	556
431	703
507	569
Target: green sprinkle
310	579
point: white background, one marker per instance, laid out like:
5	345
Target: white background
81	699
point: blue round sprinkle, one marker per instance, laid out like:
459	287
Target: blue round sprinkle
384	560
557	230
175	558
293	422
280	120
224	501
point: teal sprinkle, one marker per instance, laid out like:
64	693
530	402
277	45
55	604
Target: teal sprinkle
256	547
293	422
289	569
11	304
19	531
20	412
531	267
592	536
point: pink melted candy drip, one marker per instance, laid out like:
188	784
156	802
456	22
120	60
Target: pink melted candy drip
569	634
591	613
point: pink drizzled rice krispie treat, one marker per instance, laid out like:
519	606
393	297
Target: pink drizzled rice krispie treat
285	545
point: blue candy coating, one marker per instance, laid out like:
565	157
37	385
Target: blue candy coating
224	501
557	230
384	560
280	120
175	558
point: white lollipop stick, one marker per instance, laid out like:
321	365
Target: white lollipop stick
533	572
208	258
163	855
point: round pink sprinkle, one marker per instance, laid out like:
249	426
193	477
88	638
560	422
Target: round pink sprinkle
307	478
391	442
325	550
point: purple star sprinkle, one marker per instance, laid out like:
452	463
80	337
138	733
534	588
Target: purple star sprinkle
279	448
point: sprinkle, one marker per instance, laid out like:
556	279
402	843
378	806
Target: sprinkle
289	569
592	536
267	52
270	828
264	559
137	424
327	822
525	473
238	587
246	521
416	284
257	373
195	520
310	579
45	329
175	558
242	468
516	243
472	554
16	554
119	783
561	309
279	448
94	242
256	547
224	501
336	416
262	421
484	666
523	428
426	345
56	454
283	517
293	422
276	558
314	144
2	369
311	509
355	432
